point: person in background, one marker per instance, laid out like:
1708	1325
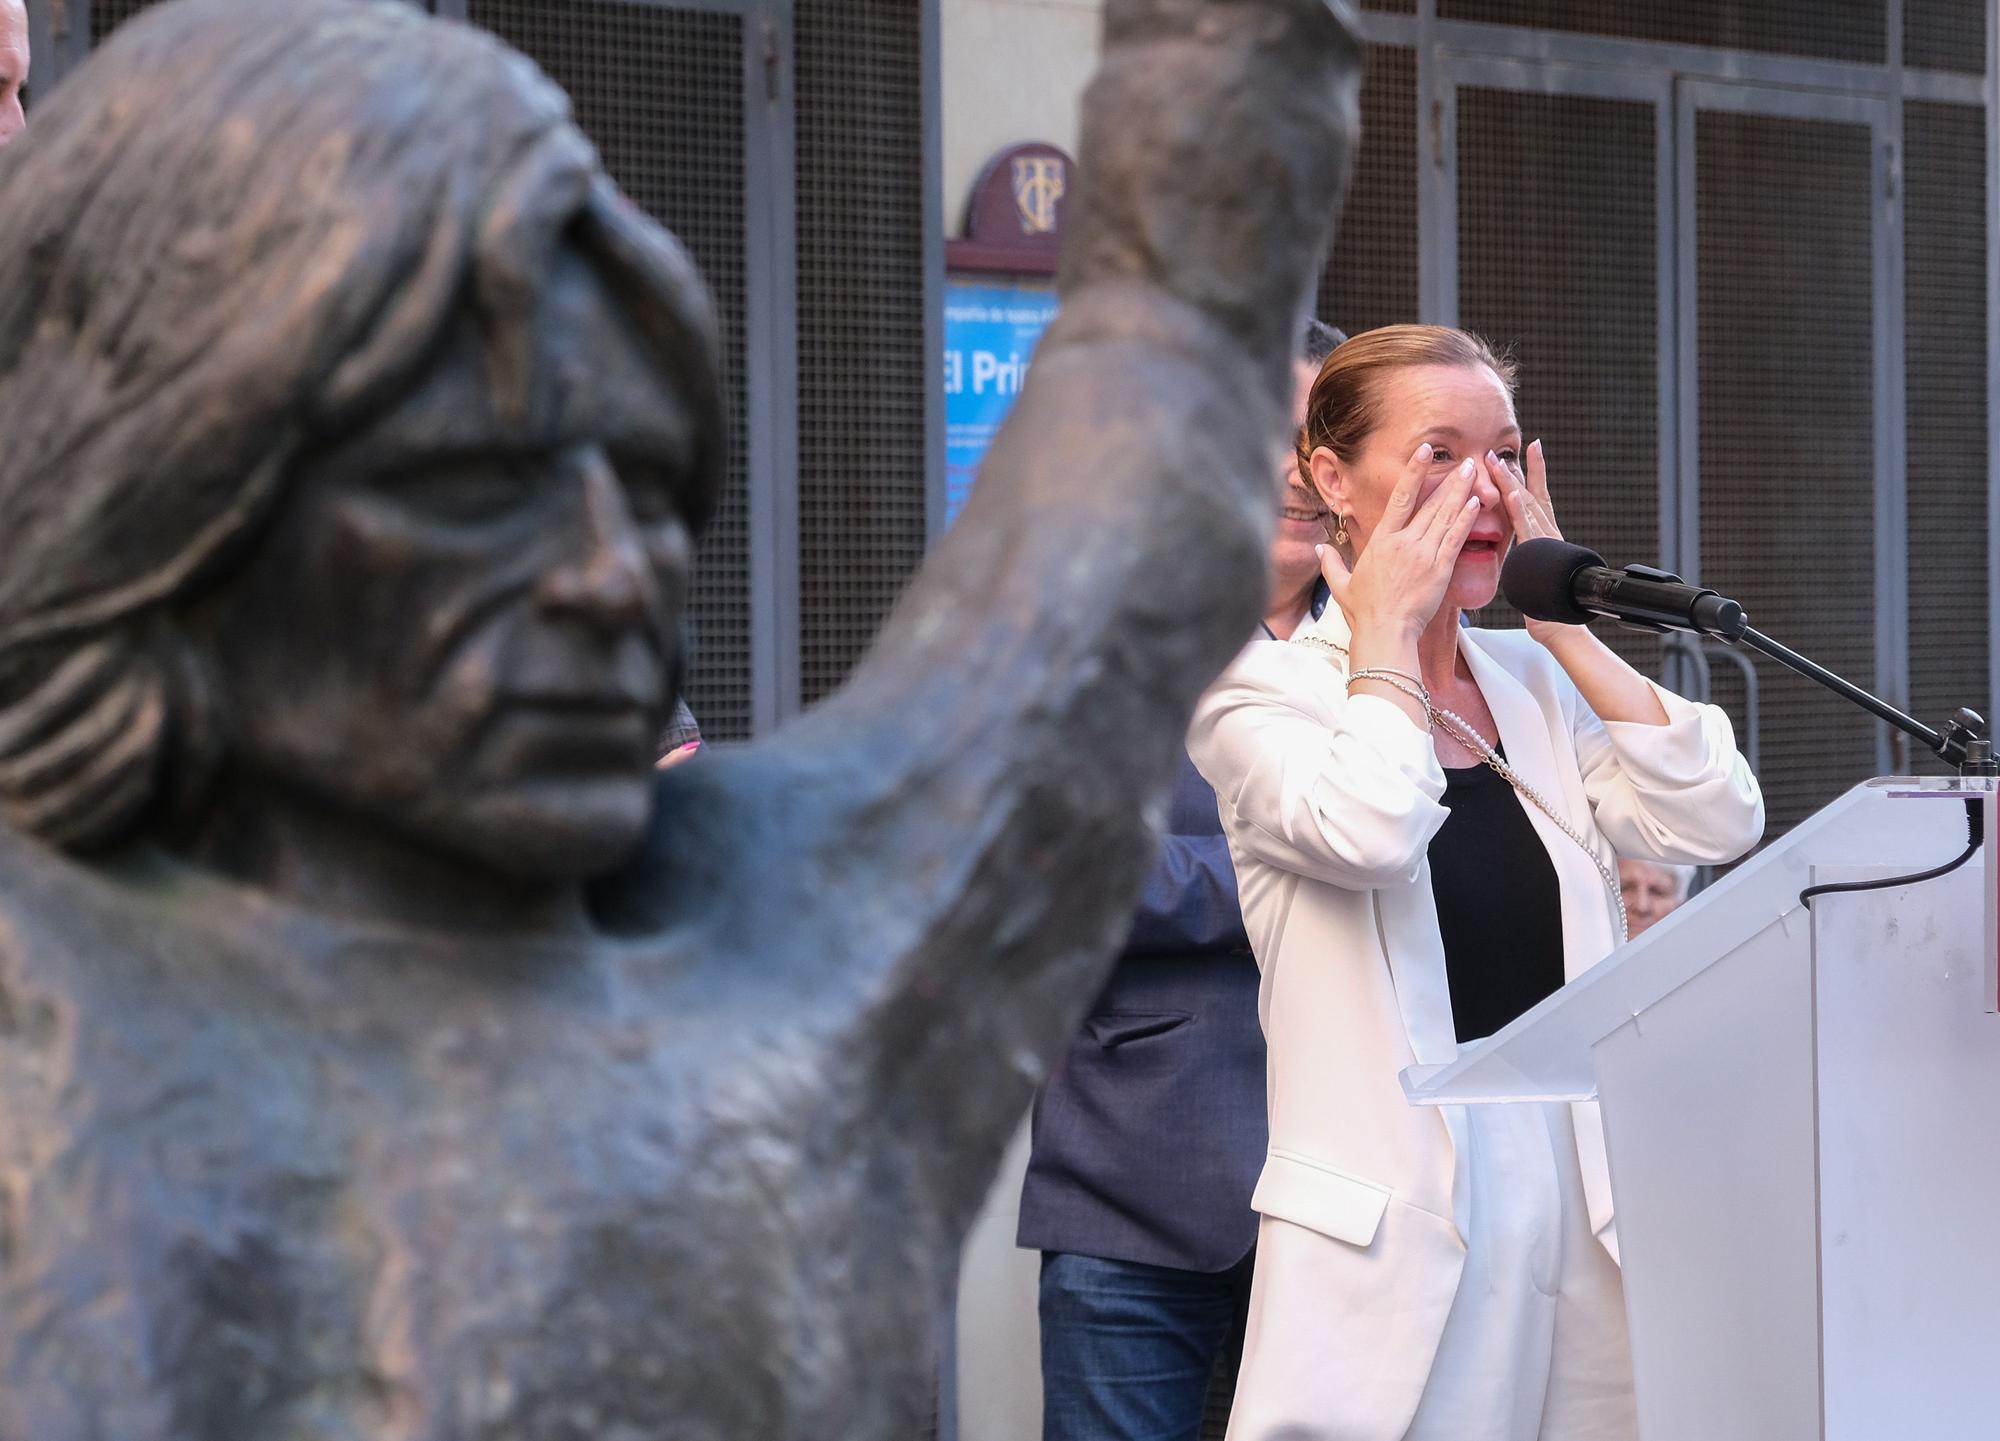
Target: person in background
1652	890
1149	1134
14	58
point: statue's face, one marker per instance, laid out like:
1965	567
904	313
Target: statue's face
462	626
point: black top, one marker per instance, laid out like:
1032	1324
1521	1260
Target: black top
1499	907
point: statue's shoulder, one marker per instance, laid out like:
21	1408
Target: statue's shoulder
126	962
52	906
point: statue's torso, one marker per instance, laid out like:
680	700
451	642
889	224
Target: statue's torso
265	1178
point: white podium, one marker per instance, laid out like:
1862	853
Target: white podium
1802	1112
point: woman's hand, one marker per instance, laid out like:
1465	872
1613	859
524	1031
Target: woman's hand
1397	583
1527	500
1526	494
1399	580
1608	685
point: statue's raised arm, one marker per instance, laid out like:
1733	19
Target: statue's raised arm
977	799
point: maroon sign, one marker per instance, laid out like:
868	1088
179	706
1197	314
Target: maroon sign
1013	222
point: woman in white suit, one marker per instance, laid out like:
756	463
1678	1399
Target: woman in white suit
1426	821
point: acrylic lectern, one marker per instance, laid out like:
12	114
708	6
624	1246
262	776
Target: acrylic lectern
1802	1115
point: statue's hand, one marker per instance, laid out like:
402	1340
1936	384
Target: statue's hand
1216	141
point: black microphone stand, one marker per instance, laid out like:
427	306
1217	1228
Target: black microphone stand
1964	742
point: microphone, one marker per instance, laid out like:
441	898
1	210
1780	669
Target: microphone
1549	579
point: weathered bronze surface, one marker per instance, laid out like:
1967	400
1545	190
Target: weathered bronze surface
384	1051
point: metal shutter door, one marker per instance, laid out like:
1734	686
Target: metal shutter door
1945	34
1824	29
1783	268
1558	260
865	368
108	15
1371	274
1944	253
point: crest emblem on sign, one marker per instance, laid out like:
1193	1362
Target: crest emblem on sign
1039	182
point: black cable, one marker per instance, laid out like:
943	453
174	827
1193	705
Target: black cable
1975	831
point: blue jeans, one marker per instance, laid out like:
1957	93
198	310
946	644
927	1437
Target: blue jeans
1128	1349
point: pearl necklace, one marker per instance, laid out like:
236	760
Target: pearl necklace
1462	731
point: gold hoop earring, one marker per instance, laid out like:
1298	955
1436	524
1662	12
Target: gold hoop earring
1340	530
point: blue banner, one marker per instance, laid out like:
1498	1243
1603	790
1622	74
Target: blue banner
990	332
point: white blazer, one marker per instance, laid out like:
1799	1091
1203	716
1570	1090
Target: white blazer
1330	802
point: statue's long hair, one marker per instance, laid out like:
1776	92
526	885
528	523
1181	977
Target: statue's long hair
240	229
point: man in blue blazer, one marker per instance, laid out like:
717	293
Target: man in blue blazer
1149	1135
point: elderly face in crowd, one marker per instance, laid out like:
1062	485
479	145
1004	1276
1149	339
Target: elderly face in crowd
14	59
1652	891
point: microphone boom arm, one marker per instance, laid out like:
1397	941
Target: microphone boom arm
1556	580
1963	742
1813	670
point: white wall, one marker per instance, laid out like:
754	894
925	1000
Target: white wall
1013	71
999	1343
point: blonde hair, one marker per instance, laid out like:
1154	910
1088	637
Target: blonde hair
1346	403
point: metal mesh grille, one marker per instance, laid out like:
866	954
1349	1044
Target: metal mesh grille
1371	273
864	370
1944	199
1823	29
1945	34
660	92
1558	246
1391	7
1784	258
108	15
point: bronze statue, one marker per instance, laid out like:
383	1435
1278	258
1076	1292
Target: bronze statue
385	1052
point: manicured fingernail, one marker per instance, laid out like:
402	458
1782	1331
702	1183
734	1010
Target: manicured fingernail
1466	469
1424	451
1320	551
